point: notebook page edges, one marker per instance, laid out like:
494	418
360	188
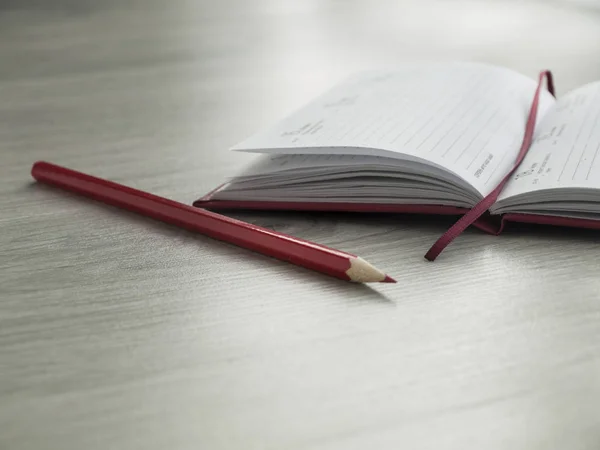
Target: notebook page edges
357	178
465	118
563	163
287	165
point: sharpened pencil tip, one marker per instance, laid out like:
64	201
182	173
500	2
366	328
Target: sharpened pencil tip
361	271
388	279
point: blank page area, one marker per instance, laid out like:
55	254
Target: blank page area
468	118
564	158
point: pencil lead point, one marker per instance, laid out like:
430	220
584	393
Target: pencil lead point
388	279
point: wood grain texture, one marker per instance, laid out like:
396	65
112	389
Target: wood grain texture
120	333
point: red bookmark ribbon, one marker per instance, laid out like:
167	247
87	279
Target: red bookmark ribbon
465	221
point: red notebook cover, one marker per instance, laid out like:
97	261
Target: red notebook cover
489	224
222	205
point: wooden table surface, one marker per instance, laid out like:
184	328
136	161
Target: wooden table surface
120	333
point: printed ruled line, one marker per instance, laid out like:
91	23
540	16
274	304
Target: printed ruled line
395	105
402	112
451	127
346	132
592	129
573	145
424	109
367	123
436	96
380	123
593	161
441	120
477	135
484	146
461	134
433	117
496	168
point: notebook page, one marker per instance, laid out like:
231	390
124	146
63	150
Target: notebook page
465	117
565	152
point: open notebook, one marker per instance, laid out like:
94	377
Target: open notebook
430	138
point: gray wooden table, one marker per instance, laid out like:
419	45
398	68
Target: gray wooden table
120	333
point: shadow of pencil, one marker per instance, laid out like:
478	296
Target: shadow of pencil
367	294
353	293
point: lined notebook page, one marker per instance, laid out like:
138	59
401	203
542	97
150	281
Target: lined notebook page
565	152
468	118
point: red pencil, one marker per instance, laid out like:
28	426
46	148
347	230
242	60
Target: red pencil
268	242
